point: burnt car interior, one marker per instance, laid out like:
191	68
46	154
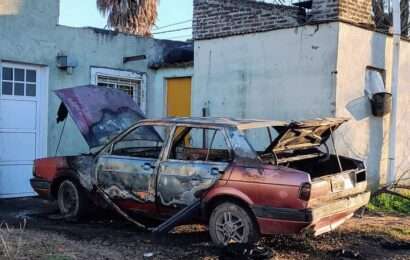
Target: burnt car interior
304	149
189	144
143	142
200	144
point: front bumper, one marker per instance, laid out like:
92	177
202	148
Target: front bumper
318	220
42	187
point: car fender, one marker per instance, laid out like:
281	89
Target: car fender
224	191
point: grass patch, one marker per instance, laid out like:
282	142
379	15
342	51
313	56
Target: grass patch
390	203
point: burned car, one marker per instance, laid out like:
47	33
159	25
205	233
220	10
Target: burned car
242	178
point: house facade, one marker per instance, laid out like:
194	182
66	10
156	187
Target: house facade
38	56
318	59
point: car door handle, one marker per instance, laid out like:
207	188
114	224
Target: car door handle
148	167
216	171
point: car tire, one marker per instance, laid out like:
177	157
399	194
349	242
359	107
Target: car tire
72	200
230	223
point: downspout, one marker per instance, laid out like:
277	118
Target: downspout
394	90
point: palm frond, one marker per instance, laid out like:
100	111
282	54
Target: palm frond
131	16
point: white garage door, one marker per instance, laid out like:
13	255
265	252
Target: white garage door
20	127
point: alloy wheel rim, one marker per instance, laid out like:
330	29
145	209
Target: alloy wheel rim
230	228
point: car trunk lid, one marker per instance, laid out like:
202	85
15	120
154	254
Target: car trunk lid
100	113
304	134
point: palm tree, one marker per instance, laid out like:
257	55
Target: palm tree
130	16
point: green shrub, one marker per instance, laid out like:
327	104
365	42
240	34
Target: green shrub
390	203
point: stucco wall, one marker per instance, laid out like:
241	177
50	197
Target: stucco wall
366	136
304	73
29	34
284	74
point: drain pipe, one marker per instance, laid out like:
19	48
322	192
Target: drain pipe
394	89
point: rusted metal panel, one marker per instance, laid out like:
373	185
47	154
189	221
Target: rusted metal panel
305	134
180	182
99	112
127	178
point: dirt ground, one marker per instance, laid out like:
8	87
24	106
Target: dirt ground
45	236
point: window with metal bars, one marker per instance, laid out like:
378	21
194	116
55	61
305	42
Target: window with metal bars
130	86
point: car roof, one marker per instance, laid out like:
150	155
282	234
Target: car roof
242	124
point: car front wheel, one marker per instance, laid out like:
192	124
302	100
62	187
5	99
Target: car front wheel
72	202
230	223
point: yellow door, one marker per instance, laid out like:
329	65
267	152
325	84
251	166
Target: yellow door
179	97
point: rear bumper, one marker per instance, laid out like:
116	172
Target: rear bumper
329	216
318	220
42	187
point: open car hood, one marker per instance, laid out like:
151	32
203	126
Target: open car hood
100	113
304	134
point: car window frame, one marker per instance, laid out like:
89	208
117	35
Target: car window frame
172	137
108	149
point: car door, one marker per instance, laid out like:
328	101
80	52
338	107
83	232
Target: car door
196	160
127	172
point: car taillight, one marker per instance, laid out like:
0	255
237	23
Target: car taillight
305	189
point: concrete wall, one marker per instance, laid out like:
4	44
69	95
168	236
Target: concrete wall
307	72
366	136
29	34
284	74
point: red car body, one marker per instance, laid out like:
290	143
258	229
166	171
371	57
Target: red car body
291	187
272	193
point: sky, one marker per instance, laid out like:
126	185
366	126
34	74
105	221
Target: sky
81	13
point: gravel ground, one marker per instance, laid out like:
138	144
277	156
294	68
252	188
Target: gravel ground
35	232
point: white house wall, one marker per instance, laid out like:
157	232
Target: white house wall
29	34
366	136
284	74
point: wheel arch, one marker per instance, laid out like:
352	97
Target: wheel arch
62	176
214	199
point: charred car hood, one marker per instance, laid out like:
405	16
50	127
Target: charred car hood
100	113
304	134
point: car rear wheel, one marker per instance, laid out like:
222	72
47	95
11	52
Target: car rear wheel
72	201
230	223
